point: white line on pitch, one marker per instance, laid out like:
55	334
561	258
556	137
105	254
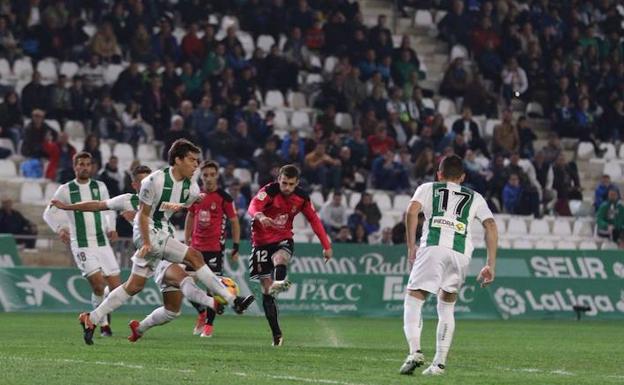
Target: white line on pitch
300	379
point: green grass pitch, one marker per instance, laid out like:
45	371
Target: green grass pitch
48	349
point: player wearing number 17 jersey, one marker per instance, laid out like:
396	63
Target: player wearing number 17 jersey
441	263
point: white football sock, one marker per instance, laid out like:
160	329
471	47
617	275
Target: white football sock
195	294
96	300
446	327
412	321
115	299
159	316
213	283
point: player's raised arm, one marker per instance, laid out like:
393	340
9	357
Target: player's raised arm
317	226
487	274
80	206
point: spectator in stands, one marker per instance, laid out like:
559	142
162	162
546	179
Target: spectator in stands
176	131
34	95
477	176
388	174
564	118
13	222
367	213
455	26
602	190
552	149
545	176
455	80
93	73
267	161
244	145
610	217
35	134
526	137
359	234
480	100
514	79
155	109
333	213
467	127
386	236
222	143
343	235
81	100
11	121
129	84
298	142
127	177
241	202
135	129
567	184
531	189
141	45
92	146
321	168
512	195
380	142
611	127
111	176
106	120
104	42
164	44
60	100
506	138
60	154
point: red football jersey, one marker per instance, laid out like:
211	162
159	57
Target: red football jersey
282	209
209	220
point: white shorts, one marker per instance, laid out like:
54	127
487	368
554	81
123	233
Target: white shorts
159	276
164	247
438	267
93	259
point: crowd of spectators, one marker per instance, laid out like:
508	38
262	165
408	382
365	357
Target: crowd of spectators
187	70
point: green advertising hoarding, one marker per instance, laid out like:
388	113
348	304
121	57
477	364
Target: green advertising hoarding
9	256
370	281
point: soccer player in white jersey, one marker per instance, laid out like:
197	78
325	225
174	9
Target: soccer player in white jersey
170	277
441	263
162	193
87	234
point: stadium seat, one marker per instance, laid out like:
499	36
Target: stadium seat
49	191
31	193
301	237
423	19
561	228
300	119
297	100
300	222
317	198
313	79
478	243
274	98
609	149
383	201
446	107
124	152
247	42
544	244
613	169
8	144
6	75
330	64
265	42
146	152
580	208
344	121
583	228
89	29
77	143
75	129
105	150
401	201
534	109
477	230
354	199
539	227
23	68
621	152
429	103
504	244
565	245
457	51
54	124
112	73
315	62
585	150
588	245
228	21
280	119
608	245
179	33
243	175
523	244
501	222
387	221
439	15
517	225
488	132
69	69
7	169
47	69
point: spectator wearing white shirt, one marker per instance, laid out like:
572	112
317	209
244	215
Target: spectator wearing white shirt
333	213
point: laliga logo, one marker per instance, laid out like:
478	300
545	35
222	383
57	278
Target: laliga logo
509	301
36	287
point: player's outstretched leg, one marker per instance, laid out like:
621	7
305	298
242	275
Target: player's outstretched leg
160	316
444	337
271	313
412	326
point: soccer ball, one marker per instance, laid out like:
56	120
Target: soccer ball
231	285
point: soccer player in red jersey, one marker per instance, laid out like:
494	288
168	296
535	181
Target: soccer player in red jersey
273	209
204	230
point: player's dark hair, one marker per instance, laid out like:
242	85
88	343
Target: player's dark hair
290	171
209	164
81	155
452	167
140	169
180	149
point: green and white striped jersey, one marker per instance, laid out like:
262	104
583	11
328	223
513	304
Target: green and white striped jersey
450	211
124	202
87	229
159	189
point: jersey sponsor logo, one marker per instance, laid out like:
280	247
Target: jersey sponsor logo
281	220
262	195
448	223
169	206
213	206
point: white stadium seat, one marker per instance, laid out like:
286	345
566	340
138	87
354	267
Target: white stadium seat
608	245
446	107
544	244
300	119
265	42
344	121
49	190
401	201
488	132
77	143
504	244
7	169
54	124
585	150
317	198
47	69
588	245
105	150
565	245
112	73
69	69
31	193
423	19
280	120
458	51
124	152
516	225
301	237
23	68
539	227
299	222
383	201
75	129
8	144
297	100
610	152
243	175
535	109
583	228
330	64
146	152
561	228
613	169
354	199
522	244
274	98
6	75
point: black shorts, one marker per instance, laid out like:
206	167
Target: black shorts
260	260
214	260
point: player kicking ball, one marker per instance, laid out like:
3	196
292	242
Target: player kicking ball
171	278
441	263
162	193
273	209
